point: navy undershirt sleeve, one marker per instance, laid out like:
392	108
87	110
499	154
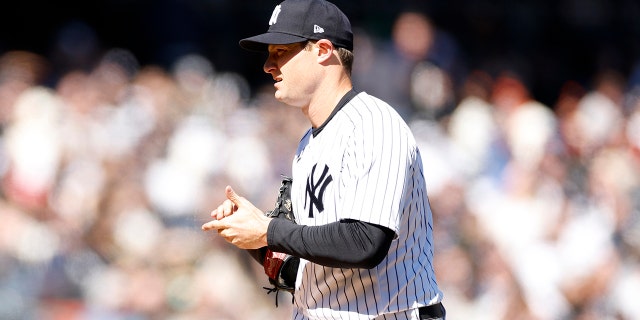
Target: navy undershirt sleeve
343	244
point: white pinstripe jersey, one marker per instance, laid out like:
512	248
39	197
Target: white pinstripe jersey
365	165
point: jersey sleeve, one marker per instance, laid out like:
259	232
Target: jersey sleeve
343	244
376	165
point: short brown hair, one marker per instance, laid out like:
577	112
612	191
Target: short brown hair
346	58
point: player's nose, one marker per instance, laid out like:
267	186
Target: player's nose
269	65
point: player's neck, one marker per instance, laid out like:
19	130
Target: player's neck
325	100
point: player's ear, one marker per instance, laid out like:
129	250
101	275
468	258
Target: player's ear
325	49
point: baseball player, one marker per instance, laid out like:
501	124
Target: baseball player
361	233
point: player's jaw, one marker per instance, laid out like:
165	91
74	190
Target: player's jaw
286	87
288	92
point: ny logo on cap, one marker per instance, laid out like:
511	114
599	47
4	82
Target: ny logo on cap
274	15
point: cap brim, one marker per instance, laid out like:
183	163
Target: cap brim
261	42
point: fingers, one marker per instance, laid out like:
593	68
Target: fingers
222	228
229	206
226	209
212	225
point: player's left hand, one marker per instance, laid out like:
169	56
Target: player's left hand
239	222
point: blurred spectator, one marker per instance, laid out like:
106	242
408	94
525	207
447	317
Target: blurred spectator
33	147
399	68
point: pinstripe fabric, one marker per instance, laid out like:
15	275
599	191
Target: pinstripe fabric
365	165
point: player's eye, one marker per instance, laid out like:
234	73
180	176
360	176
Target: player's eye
277	52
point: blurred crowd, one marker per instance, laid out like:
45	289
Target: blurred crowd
107	175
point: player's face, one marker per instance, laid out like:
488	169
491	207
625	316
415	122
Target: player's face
289	65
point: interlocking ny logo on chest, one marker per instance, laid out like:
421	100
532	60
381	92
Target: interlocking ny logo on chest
315	189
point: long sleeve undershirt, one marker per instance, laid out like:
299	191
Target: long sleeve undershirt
343	244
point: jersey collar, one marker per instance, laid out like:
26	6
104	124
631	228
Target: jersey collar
346	98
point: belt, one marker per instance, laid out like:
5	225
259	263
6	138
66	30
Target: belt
434	311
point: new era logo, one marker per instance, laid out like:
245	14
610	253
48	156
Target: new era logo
317	29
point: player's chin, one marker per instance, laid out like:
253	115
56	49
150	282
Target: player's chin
279	95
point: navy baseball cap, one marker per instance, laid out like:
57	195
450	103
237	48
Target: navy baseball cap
301	20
